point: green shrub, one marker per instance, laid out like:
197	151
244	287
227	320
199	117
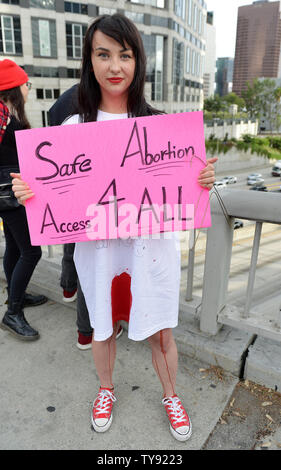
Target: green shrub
259	145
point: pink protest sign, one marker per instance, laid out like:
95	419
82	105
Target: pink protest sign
114	179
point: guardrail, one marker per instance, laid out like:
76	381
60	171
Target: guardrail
214	311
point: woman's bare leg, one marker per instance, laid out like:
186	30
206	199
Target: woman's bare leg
165	359
104	353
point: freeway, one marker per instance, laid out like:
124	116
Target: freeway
273	183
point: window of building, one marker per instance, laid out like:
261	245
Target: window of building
107	11
73	73
47	93
74	39
44	37
159	21
153	3
179	8
73	7
200	22
154	47
187	63
157	91
47	4
175	26
10	35
10	2
45	72
198	65
45	118
193	54
178	61
195	17
135	17
189	12
40	93
178	67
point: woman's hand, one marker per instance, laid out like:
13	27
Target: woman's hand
21	189
207	175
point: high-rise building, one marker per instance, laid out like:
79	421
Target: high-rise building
224	75
210	57
45	37
258	41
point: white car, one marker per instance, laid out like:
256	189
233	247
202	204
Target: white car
229	179
220	184
255	181
254	175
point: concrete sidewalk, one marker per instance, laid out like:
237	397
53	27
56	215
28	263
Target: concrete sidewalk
47	386
47	389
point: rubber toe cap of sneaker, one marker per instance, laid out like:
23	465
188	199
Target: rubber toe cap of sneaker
101	422
183	430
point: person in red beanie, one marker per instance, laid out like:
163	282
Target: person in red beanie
20	258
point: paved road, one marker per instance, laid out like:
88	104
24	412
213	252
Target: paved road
271	182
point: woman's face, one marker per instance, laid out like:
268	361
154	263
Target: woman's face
113	66
24	91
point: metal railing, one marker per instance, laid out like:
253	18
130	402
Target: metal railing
214	311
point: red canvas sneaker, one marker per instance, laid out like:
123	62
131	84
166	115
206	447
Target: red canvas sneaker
102	410
84	342
180	424
69	296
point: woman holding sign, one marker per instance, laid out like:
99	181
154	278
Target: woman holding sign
136	280
20	258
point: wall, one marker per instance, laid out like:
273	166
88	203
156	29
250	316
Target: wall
235	160
236	129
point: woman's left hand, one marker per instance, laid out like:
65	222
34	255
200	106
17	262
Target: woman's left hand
207	178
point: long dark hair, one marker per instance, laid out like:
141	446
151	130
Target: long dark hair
122	30
15	98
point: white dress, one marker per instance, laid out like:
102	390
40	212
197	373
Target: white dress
154	269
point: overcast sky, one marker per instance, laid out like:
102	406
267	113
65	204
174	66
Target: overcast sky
225	21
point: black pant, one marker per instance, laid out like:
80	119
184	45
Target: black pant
69	281
20	258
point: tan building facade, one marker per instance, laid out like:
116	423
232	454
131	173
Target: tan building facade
258	41
46	36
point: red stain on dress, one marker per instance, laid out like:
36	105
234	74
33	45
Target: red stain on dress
121	297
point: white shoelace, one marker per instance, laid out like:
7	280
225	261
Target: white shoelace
104	398
175	408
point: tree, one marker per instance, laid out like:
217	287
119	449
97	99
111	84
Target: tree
252	98
277	96
232	98
214	104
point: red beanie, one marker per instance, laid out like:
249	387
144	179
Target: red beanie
11	75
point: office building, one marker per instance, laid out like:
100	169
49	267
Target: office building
258	41
224	75
46	36
210	57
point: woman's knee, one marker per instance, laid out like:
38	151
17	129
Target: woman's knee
108	340
162	340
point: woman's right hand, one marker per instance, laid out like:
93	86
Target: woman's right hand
20	188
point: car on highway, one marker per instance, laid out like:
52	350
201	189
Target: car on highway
220	184
255	181
276	170
259	188
254	175
229	179
238	224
